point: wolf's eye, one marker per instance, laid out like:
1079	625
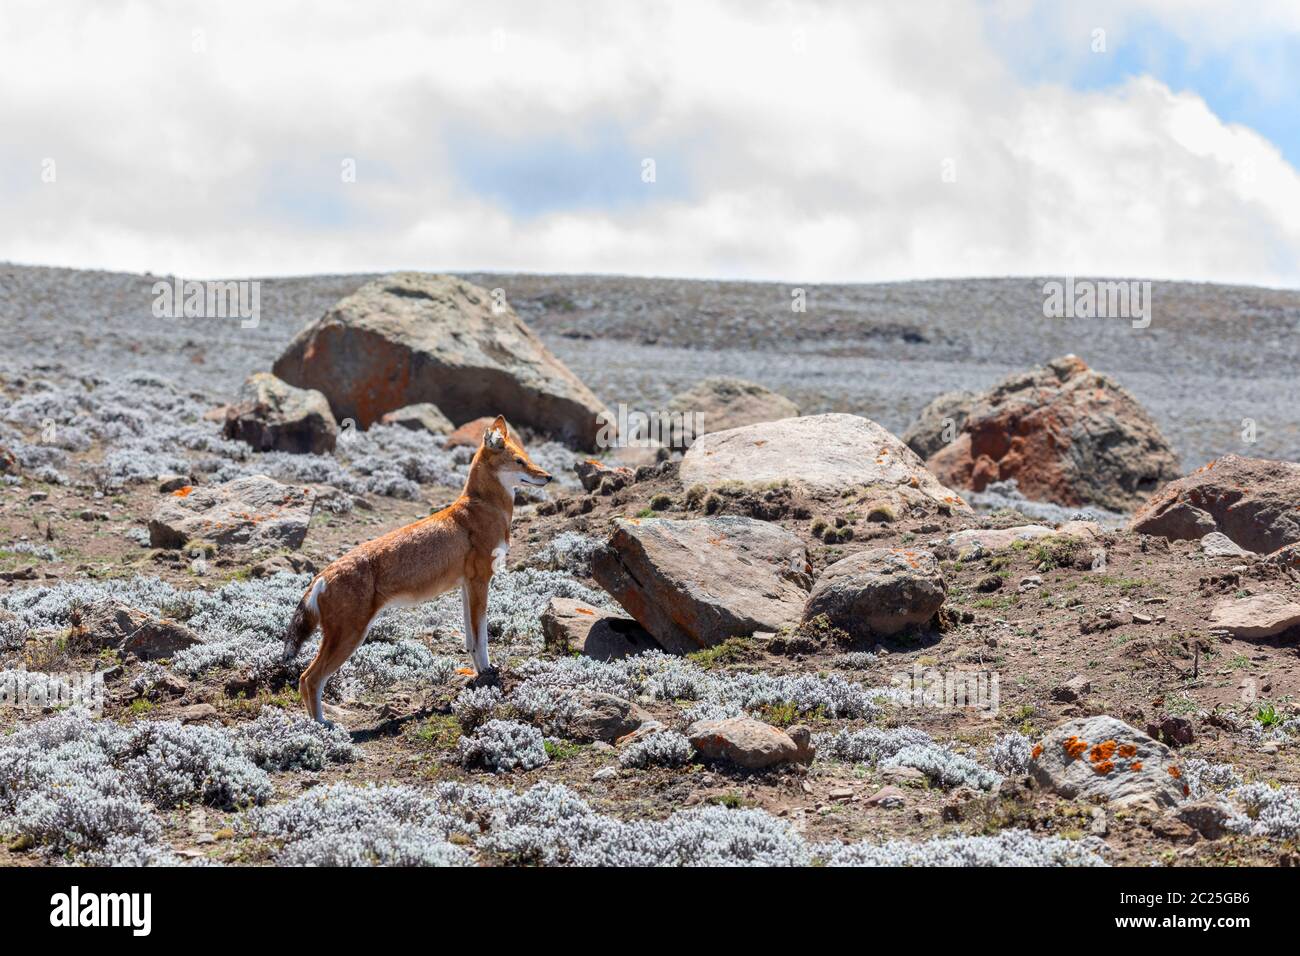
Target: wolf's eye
519	461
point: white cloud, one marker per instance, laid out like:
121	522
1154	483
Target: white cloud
799	141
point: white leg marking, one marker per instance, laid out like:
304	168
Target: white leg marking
481	662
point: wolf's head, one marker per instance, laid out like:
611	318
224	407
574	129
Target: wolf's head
503	455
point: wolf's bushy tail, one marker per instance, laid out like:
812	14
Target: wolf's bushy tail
305	619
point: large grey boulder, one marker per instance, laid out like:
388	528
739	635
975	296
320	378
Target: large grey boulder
413	337
1105	760
693	584
826	456
272	415
249	512
880	591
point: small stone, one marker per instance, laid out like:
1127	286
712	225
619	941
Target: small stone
196	712
1073	690
890	798
605	773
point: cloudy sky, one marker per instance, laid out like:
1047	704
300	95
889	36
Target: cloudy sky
804	141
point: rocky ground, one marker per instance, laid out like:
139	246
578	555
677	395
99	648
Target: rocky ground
1099	637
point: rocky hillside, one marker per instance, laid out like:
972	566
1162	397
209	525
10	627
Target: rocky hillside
798	642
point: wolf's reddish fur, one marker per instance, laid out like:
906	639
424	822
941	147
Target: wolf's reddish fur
456	546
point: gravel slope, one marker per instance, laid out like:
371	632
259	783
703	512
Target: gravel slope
1213	355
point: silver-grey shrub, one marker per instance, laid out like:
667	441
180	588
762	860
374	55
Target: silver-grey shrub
502	746
667	748
281	741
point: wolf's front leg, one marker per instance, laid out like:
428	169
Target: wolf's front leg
469	618
476	623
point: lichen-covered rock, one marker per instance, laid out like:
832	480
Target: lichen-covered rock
879	591
272	415
693	584
1066	434
420	417
412	337
1104	759
940	422
826	455
1254	501
717	404
253	511
1256	616
745	742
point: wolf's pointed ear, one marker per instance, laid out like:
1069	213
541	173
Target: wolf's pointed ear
500	423
494	436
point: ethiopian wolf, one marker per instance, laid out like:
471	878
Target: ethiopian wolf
461	545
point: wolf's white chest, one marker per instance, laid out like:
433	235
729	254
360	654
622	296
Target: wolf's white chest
499	557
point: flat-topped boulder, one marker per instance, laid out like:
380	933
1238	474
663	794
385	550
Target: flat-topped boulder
825	455
413	337
249	512
693	584
1256	616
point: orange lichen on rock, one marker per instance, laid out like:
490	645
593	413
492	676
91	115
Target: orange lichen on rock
1075	747
1103	767
183	492
1037	751
1103	751
1128	750
1135	766
1175	773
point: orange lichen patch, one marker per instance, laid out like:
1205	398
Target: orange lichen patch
1128	750
183	492
469	671
1187	791
1175	773
1135	766
761	443
1037	751
1075	748
1104	767
1103	752
585	610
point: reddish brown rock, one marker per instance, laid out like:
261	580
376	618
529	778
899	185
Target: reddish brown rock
1254	501
411	337
744	741
1066	434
